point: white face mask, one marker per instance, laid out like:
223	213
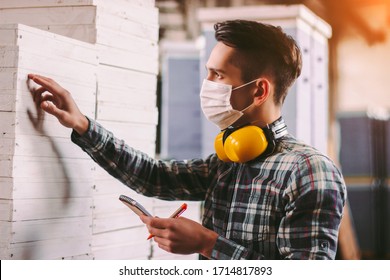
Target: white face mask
215	103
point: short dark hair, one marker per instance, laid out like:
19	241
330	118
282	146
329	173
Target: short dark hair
263	49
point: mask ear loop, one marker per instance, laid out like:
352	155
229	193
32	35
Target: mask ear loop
250	105
248	83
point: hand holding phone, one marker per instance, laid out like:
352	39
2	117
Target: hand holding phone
140	210
175	215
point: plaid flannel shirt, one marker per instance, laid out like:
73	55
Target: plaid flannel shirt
285	206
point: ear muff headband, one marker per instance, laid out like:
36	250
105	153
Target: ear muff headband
241	145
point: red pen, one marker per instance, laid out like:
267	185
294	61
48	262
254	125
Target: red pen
175	215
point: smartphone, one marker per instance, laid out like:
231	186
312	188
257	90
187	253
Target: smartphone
134	206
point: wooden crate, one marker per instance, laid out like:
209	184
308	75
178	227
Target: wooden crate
46	185
109	62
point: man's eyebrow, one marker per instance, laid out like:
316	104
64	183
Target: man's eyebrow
214	69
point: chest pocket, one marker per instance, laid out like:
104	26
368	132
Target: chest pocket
251	217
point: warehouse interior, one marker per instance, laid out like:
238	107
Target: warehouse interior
153	51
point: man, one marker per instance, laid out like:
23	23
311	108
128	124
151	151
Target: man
284	202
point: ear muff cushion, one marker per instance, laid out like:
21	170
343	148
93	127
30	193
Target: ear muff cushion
245	144
219	149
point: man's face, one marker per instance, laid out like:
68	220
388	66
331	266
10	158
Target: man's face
221	70
219	66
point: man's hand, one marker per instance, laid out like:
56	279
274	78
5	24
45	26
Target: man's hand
57	101
181	235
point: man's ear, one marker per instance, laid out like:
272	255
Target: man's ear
262	91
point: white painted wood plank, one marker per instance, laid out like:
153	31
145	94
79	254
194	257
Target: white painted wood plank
108	204
29	64
49	15
125	251
43	146
138	29
128	3
81	32
127	60
107	185
117	221
7	36
7	127
112	38
123	79
7	78
12	125
79	257
133	13
5	233
7	146
131	131
50	249
43	3
27	35
23	125
5	166
136	235
127	96
6	188
36	230
14	82
55	45
33	209
66	67
51	168
8	56
57	3
4	253
45	168
71	22
38	188
135	114
5	210
7	101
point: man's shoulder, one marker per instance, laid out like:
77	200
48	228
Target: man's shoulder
298	151
309	163
290	145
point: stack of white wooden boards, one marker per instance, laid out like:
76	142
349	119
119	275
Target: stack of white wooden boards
55	203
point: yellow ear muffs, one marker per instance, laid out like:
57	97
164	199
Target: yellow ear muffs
242	145
219	149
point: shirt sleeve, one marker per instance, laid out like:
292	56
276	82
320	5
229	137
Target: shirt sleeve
314	201
173	180
225	249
